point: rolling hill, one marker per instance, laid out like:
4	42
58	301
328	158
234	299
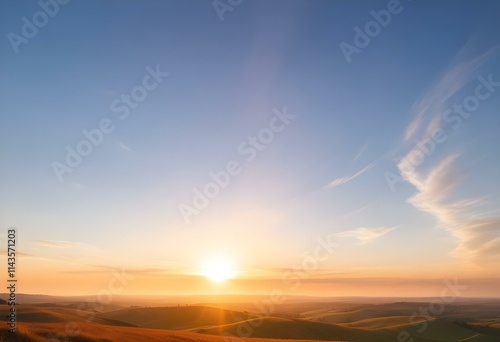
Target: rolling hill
176	318
213	324
38	332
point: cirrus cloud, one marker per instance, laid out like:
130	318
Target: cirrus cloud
367	234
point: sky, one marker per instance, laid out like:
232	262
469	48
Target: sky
320	147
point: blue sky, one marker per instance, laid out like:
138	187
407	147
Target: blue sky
121	204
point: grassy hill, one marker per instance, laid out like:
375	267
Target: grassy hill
216	321
202	323
176	318
330	316
274	327
447	331
37	332
43	314
385	322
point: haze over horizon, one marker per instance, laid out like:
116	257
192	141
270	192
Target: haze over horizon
152	146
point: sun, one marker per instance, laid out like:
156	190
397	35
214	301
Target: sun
219	268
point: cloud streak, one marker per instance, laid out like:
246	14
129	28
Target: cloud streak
367	234
479	237
343	180
432	105
59	244
361	151
478	234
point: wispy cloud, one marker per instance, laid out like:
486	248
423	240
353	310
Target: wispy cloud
100	269
357	211
59	244
361	150
479	237
125	147
480	240
342	180
367	234
432	105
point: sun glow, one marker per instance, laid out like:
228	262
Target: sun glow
219	268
